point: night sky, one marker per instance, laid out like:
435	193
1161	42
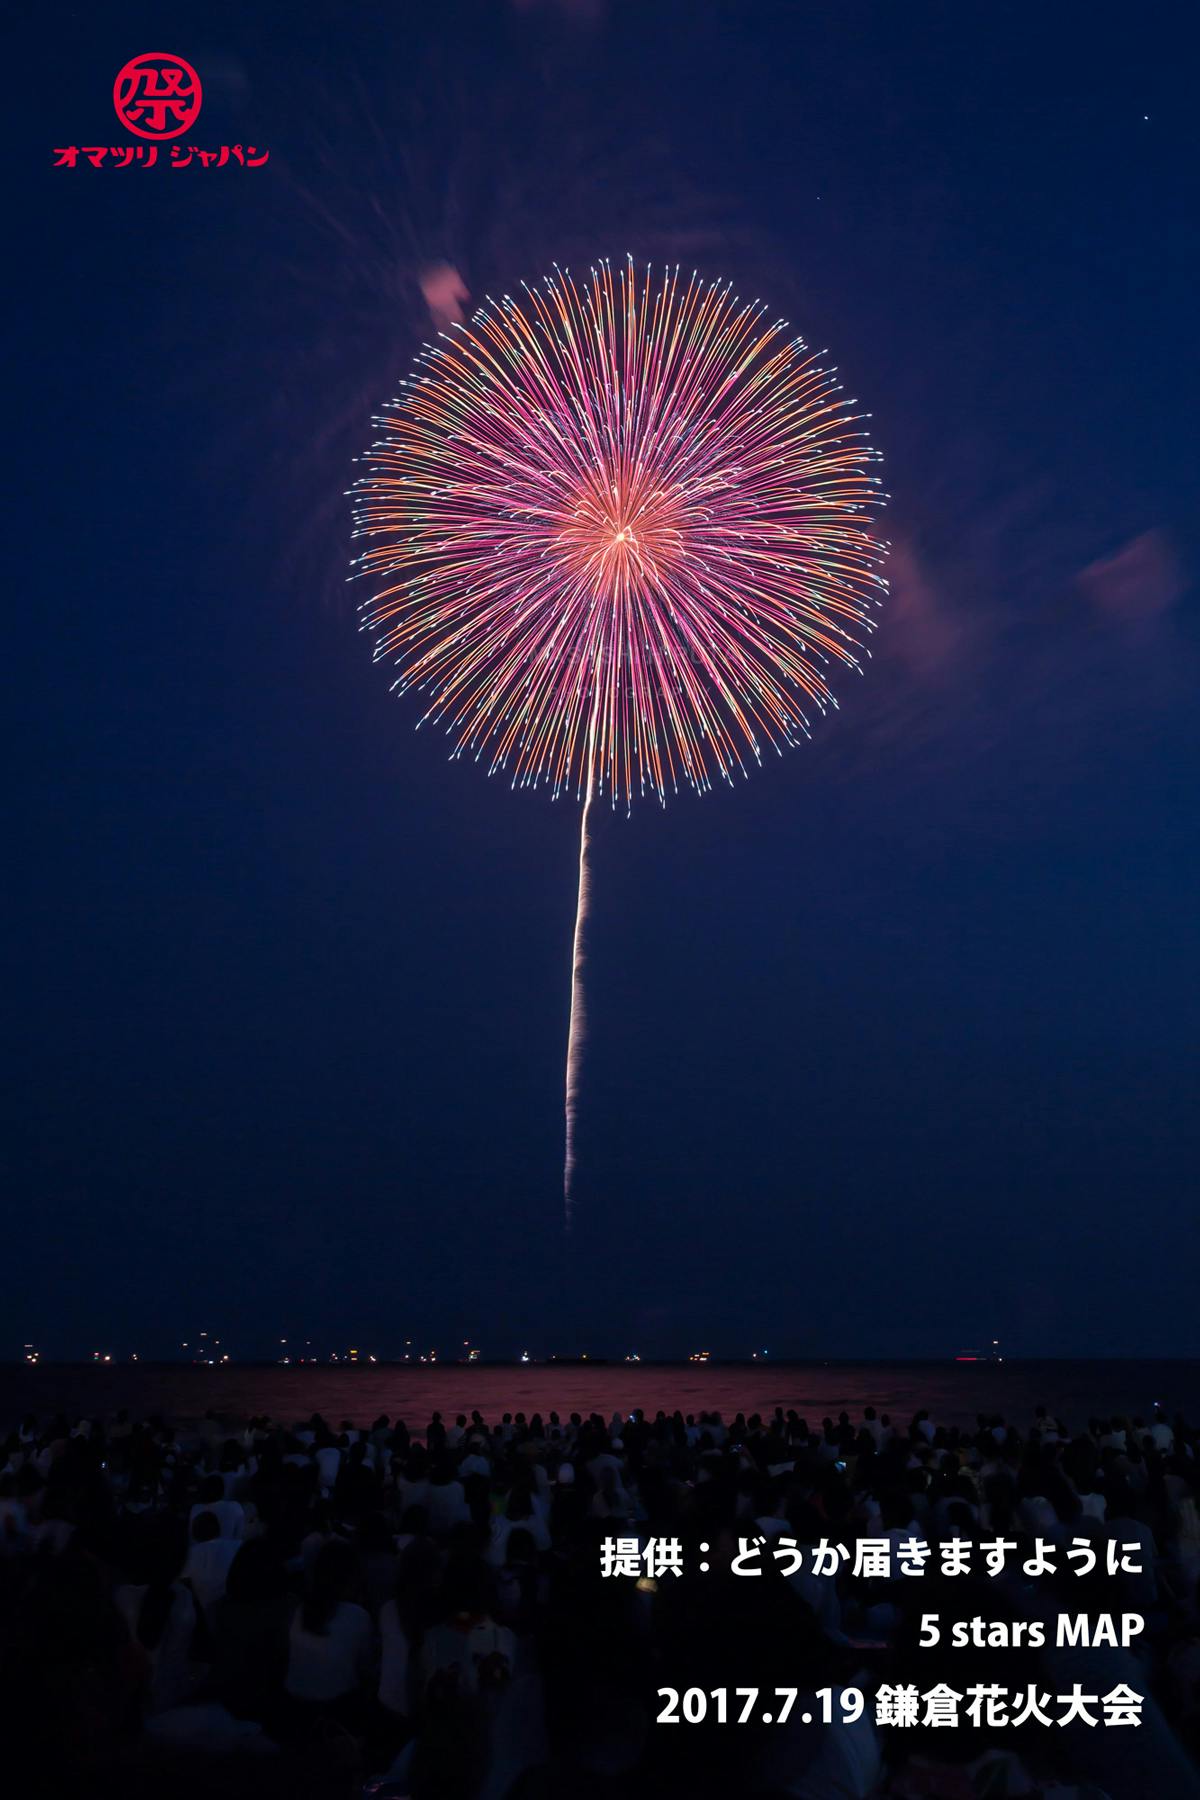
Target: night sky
894	1048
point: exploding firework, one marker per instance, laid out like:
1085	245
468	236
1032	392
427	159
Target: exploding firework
624	533
620	532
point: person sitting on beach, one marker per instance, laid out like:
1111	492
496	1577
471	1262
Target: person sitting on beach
328	1457
412	1481
356	1489
161	1613
610	1500
521	1512
475	1461
1161	1433
466	1652
209	1559
446	1501
229	1514
331	1641
250	1633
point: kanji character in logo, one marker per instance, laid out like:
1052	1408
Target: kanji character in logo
941	1705
1076	1705
157	95
987	1704
664	1556
1122	1706
873	1559
621	1556
897	1706
1033	1706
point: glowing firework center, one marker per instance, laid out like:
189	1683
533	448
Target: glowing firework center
621	533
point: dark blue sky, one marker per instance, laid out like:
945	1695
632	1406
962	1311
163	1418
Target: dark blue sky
895	1048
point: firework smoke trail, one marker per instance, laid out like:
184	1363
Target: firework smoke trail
577	1030
620	532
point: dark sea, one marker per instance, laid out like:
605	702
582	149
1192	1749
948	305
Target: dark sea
954	1393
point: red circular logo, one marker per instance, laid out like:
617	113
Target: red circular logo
156	95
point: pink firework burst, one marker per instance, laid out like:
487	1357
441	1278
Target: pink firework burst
620	533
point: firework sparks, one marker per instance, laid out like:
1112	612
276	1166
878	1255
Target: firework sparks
577	1026
620	533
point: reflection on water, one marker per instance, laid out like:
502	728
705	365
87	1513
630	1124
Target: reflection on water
952	1392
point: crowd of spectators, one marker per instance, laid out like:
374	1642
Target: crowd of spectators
245	1607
